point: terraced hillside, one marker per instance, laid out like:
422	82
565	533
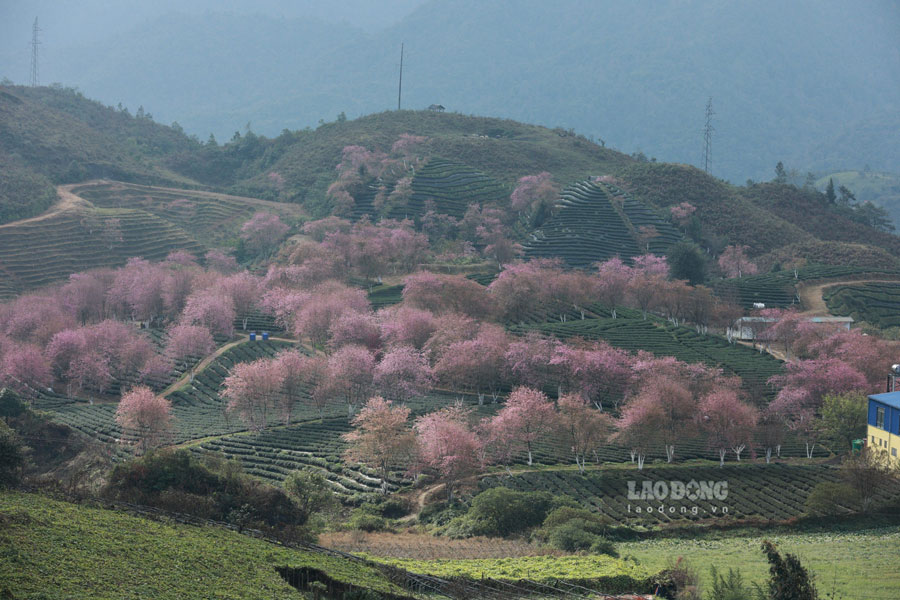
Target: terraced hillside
197	407
778	288
214	219
877	303
594	223
754	491
662	339
451	186
41	251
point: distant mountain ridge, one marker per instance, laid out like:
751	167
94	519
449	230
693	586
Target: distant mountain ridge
636	75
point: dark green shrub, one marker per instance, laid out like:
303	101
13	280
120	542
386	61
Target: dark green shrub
366	521
830	498
563	514
500	511
12	457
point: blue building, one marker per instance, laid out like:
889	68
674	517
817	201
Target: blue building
884	423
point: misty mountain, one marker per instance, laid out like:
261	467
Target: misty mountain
809	83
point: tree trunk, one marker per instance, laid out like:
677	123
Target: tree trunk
768	455
670	452
529	456
722	457
640	461
738	450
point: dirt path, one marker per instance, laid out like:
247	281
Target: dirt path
186	378
811	293
66	201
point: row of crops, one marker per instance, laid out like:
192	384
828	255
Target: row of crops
773	492
36	253
198	408
778	288
212	218
451	186
664	339
877	303
588	228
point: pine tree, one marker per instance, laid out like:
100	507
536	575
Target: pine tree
829	191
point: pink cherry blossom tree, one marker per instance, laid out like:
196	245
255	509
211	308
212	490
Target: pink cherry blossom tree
360	328
145	416
382	437
252	389
212	309
349	376
582	427
296	377
527	417
534	193
612	282
734	262
218	261
475	365
441	294
24	369
727	422
406	326
263	232
403	373
448	446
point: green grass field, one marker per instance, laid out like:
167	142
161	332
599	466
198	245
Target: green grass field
860	565
54	550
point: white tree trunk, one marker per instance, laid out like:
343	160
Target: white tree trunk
722	457
670	452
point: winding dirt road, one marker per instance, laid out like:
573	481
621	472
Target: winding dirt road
811	293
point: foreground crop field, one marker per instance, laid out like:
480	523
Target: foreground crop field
857	565
54	550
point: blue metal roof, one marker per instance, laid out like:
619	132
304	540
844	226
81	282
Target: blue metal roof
891	399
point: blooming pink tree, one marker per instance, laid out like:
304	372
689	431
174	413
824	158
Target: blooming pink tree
349	376
648	277
527	417
212	309
402	373
381	437
613	277
323	307
522	288
244	291
682	212
156	372
448	446
252	389
475	365
582	427
263	232
218	261
596	373
296	377
84	295
25	369
441	294
534	193
145	416
406	326
727	422
734	262
529	360
806	382
360	328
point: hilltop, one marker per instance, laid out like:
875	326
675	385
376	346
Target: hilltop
53	136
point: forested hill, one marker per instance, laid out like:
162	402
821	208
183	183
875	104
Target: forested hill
54	135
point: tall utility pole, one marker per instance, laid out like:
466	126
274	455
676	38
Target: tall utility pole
707	135
35	42
400	87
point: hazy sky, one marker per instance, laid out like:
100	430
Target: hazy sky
73	22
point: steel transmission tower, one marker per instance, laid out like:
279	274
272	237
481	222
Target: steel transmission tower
35	43
708	130
400	87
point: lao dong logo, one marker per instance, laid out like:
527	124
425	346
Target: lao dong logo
656	494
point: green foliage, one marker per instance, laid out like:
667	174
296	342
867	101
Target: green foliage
830	498
727	587
310	491
364	520
577	535
103	552
11	405
788	578
502	512
12	457
218	490
844	419
687	261
598	572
